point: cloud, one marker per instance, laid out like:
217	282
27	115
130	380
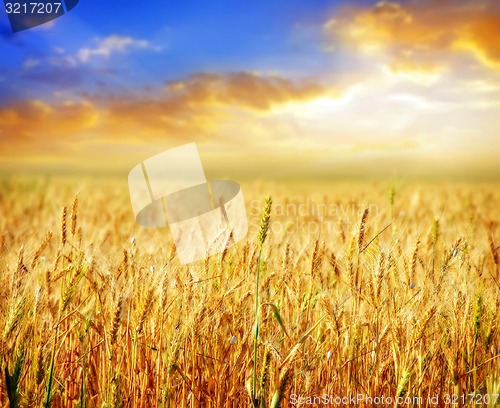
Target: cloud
242	89
192	108
61	71
420	32
112	44
244	117
482	40
39	122
31	63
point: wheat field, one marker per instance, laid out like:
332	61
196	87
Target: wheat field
379	293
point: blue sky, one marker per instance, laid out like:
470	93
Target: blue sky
183	38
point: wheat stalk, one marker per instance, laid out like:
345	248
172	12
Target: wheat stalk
63	226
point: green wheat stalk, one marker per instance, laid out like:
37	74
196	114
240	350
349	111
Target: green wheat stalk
264	228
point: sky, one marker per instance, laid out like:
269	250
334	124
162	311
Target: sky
295	88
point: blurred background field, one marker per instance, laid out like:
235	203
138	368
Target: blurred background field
378	288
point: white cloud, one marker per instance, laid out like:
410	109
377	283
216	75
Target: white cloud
64	61
111	44
31	63
59	61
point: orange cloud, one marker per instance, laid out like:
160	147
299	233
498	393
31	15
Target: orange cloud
481	39
243	89
34	120
192	109
421	32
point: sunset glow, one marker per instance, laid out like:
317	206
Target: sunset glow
333	87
